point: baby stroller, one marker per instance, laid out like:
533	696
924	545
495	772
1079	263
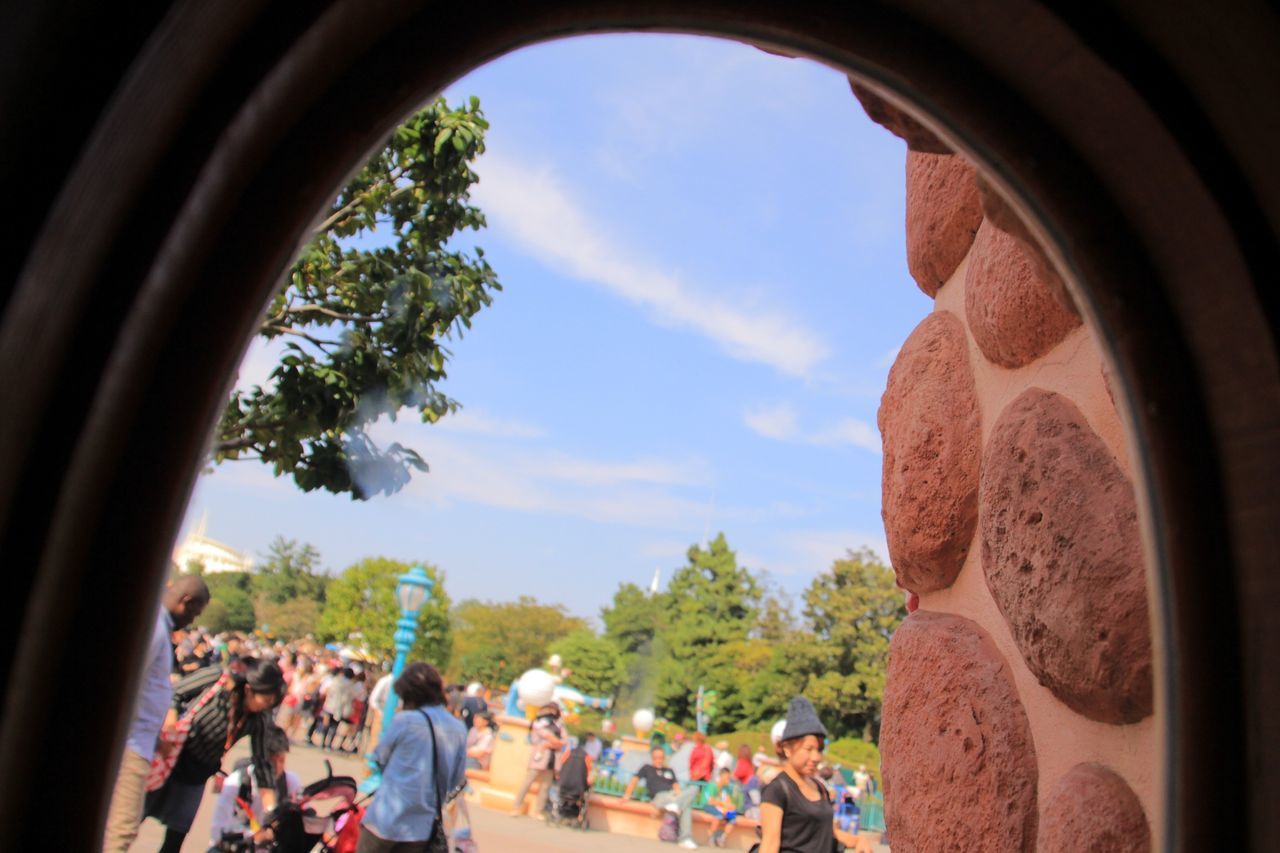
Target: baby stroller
325	818
572	791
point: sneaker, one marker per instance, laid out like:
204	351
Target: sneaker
689	844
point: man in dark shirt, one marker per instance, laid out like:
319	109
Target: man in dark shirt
665	793
473	703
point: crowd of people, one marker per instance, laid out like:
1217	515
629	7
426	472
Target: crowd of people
739	783
202	694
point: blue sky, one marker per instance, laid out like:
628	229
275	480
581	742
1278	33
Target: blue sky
705	284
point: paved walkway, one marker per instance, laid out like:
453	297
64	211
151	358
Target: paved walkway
494	832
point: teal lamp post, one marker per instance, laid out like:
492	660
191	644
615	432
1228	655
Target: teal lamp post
412	592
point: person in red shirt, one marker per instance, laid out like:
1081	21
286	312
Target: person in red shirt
745	769
701	759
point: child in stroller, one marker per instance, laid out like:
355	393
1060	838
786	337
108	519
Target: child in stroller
573	789
325	813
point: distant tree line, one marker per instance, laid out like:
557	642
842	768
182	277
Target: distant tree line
717	625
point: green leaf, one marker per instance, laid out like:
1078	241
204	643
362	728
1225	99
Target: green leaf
441	138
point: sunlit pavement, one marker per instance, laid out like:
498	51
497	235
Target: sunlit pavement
493	831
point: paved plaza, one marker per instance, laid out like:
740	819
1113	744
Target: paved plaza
493	831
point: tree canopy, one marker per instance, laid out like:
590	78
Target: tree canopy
361	605
364	320
852	611
594	663
290	572
496	643
723	627
711	603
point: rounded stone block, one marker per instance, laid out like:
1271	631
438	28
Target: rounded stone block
1091	808
1062	556
1012	312
917	136
943	215
931	430
956	751
998	213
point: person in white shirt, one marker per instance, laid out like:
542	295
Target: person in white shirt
183	601
377	705
725	759
229	816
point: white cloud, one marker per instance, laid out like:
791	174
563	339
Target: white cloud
848	431
808	552
539	212
643	492
479	422
777	422
781	423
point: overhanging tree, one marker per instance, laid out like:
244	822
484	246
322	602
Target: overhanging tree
364	319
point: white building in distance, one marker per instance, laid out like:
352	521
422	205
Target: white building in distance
213	555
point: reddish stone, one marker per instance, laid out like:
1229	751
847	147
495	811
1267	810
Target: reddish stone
1063	558
956	752
930	426
1012	312
1001	215
1091	808
900	124
943	215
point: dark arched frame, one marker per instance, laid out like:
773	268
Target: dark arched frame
168	159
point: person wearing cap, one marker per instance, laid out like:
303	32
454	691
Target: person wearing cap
228	706
796	814
548	738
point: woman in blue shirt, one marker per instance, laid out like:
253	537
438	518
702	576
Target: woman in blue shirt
422	756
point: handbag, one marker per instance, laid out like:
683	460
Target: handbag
438	842
162	765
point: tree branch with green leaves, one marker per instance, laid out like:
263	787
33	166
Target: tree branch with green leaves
364	321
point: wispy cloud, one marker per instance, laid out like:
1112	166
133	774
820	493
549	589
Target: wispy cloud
808	552
480	422
642	492
781	423
537	210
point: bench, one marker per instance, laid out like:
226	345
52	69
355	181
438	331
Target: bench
629	817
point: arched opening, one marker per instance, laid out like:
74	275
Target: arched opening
134	307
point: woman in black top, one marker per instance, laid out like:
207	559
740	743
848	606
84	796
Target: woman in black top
796	815
241	706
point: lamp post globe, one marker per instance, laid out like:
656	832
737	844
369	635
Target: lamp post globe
412	591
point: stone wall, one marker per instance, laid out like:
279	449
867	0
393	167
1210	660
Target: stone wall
1018	713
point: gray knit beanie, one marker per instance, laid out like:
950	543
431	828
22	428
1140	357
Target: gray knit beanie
802	720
